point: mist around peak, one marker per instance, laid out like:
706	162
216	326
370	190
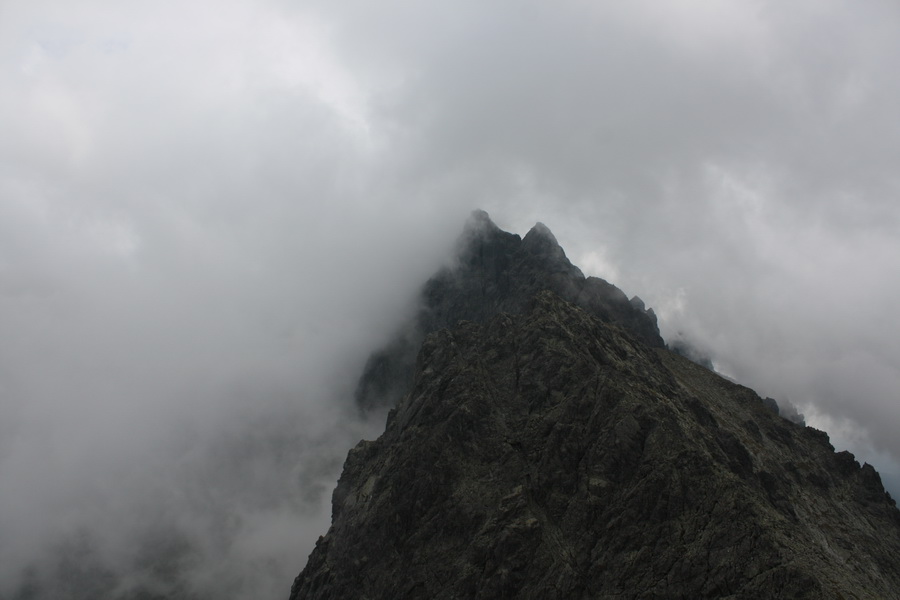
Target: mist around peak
210	213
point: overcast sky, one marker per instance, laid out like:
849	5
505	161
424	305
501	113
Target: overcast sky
211	211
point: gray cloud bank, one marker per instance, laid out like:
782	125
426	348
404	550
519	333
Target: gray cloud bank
211	212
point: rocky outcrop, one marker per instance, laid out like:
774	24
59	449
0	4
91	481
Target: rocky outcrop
495	272
554	453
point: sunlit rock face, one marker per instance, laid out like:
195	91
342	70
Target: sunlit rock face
550	446
495	272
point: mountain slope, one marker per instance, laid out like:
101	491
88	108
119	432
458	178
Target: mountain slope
552	454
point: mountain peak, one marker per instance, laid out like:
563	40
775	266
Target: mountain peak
495	272
541	237
542	230
479	220
541	242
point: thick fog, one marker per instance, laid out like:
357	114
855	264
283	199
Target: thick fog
210	212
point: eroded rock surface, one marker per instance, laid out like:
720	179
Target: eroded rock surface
552	454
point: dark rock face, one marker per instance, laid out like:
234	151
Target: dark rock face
553	454
495	272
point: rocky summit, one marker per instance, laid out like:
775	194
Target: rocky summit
495	272
553	448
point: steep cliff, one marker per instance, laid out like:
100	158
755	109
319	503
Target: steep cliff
554	454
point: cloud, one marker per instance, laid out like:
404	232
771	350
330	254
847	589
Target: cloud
736	164
193	267
211	212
